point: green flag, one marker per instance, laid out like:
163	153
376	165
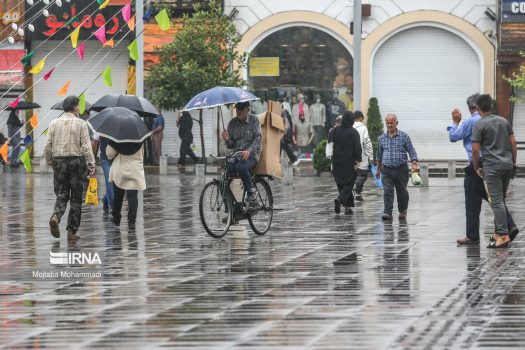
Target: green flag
163	20
106	74
25	159
73	19
26	60
45	132
100	2
133	50
82	103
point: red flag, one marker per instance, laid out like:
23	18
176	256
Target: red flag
14	103
48	74
80	50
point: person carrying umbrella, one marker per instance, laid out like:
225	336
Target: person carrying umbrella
13	132
244	134
67	150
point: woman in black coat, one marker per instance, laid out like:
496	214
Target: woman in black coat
345	159
185	125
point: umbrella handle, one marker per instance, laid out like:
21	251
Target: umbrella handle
222	119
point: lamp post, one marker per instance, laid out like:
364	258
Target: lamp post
357	53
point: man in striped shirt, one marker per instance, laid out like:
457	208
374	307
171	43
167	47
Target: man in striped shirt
244	134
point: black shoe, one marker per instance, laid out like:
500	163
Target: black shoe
106	208
337	206
386	217
116	221
348	211
53	226
358	197
131	225
513	232
252	196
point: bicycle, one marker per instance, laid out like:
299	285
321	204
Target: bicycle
218	207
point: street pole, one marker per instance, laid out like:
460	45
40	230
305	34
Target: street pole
139	32
357	53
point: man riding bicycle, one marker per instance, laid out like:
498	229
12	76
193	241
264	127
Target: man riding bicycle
244	134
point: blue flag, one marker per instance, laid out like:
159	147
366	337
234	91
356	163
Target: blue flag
28	139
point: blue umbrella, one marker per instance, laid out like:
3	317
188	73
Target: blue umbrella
378	181
219	96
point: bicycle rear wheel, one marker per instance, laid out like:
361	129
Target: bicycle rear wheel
261	219
215	209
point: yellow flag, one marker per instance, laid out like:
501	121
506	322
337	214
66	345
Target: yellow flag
34	121
74	37
26	160
82	103
3	151
103	6
63	89
38	67
163	20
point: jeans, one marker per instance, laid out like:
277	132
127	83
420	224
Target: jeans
395	178
133	204
242	168
318	134
360	180
474	195
497	182
108	197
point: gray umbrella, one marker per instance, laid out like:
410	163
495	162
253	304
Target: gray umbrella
119	125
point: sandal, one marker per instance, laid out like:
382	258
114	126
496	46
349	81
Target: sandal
493	245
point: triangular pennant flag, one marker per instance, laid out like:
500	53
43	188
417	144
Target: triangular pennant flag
34	121
131	23
149	13
14	104
27	140
63	89
101	34
109	43
74	37
26	60
48	74
163	20
80	50
73	19
38	67
26	160
3	151
104	5
126	12
45	132
100	2
106	74
82	103
133	50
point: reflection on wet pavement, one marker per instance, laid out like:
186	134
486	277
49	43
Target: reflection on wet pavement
316	280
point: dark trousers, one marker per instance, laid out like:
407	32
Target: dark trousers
395	178
361	176
133	203
185	149
474	195
346	197
68	174
286	147
242	168
15	140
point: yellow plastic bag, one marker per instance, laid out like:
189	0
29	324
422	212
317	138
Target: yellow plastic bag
91	193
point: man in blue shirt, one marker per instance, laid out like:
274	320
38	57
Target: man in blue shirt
392	167
473	184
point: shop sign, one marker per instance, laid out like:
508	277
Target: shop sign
88	17
263	67
11	69
513	11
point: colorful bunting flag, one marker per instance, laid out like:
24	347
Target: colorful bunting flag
45	132
48	74
38	67
63	89
106	74
34	121
26	160
126	12
163	20
26	60
109	43
80	50
101	34
74	37
149	13
73	19
131	23
27	140
104	5
14	104
3	151
133	50
100	2
82	103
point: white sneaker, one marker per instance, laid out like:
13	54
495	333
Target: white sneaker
296	162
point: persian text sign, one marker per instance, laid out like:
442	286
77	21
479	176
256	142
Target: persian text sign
263	67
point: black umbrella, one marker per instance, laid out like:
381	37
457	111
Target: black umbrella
24	105
60	106
143	107
120	125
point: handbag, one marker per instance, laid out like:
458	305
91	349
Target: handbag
91	193
329	149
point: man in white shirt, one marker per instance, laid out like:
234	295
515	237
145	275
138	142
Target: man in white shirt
367	155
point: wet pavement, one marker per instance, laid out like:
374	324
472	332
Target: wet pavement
314	281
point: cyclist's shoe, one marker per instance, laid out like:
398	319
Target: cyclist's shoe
252	195
225	220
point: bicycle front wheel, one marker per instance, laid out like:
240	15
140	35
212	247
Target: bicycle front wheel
261	219
215	210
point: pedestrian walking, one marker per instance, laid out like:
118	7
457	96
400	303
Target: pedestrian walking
67	150
105	163
287	138
345	160
472	183
493	137
392	167
14	125
127	175
366	157
185	124
157	134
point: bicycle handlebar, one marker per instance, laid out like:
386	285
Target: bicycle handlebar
231	155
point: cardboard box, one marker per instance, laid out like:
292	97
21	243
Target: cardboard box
272	127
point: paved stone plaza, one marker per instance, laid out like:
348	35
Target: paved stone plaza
315	281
